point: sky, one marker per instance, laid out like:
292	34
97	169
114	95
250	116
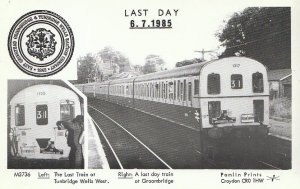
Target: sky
194	28
100	23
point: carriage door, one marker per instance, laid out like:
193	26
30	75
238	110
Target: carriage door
258	106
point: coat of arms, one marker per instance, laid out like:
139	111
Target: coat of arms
41	43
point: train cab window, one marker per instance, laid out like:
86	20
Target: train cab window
42	114
257	82
67	112
213	83
196	87
20	115
214	110
236	81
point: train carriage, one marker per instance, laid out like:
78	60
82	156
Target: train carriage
34	113
224	99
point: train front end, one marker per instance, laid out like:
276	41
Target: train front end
34	113
234	102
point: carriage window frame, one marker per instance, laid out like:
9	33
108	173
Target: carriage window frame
213	83
44	116
69	102
234	78
22	122
260	88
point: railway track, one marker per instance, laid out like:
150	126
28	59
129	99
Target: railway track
124	145
176	145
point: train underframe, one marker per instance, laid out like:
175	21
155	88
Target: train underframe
218	144
234	146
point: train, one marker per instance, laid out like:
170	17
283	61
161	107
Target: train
222	99
34	112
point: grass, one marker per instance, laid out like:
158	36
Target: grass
281	107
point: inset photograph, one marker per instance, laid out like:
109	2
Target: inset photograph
45	125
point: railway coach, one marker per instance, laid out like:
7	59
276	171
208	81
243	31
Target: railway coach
34	112
224	98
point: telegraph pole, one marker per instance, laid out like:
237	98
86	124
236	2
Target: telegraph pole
203	52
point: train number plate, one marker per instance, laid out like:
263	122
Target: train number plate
28	150
247	118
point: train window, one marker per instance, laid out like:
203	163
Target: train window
214	110
153	90
174	90
257	82
184	90
189	91
163	90
171	90
20	115
213	83
196	86
258	106
178	90
67	111
166	90
157	89
181	90
236	81
42	114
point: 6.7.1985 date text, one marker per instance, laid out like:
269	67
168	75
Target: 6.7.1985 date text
151	24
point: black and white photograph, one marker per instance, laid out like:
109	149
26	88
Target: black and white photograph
149	94
45	125
228	108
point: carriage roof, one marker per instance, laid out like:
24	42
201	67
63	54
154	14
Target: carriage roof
53	93
189	70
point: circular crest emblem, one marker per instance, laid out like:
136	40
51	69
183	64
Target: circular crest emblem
41	43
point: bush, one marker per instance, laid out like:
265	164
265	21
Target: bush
281	107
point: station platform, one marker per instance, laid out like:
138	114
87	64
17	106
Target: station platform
96	156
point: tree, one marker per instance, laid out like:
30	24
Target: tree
109	54
263	34
153	63
86	68
188	62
